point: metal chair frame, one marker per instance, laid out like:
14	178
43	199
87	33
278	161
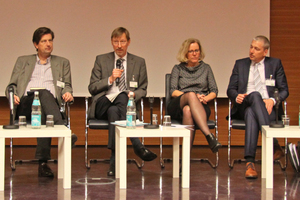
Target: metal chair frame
64	109
240	125
103	125
212	124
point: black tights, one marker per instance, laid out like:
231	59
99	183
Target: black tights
193	112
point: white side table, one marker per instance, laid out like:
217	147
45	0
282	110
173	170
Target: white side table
121	150
267	148
64	148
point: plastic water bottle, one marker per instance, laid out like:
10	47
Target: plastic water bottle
131	112
36	117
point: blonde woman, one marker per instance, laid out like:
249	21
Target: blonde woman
192	86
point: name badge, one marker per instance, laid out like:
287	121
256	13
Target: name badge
270	82
60	84
133	84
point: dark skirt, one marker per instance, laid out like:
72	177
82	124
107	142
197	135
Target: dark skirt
175	111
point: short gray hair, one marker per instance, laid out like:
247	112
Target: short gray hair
264	39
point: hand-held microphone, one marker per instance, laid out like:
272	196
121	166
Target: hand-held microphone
11	106
118	66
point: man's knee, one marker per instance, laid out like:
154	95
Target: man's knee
255	96
46	96
112	110
45	93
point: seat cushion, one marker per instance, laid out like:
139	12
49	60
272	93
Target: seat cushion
98	124
238	124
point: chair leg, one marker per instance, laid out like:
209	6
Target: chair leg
283	166
14	162
231	162
92	160
162	162
213	165
87	161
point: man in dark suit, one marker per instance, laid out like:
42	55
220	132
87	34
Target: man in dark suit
251	88
110	85
52	75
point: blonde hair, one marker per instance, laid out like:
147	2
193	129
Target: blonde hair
183	51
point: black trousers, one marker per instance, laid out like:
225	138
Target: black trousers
113	111
255	114
49	106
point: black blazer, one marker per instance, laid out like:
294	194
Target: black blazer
239	79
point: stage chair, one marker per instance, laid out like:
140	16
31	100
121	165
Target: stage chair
240	125
103	125
65	111
212	124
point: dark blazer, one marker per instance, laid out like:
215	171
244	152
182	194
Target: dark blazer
23	70
239	79
102	70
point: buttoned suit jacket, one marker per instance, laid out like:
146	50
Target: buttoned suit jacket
240	74
23	70
103	67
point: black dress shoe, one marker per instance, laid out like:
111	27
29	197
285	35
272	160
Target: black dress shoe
45	171
111	171
145	154
213	143
74	139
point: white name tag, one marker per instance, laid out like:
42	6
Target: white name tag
60	84
270	82
133	84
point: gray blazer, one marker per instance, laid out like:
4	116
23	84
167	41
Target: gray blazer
102	70
23	70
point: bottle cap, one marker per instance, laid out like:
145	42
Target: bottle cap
130	94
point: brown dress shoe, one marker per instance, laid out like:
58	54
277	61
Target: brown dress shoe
278	152
250	171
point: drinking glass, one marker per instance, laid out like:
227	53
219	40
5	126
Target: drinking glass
167	120
49	121
285	120
22	122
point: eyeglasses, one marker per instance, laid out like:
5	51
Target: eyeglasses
194	51
122	42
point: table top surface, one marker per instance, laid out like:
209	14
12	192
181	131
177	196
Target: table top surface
28	132
290	131
162	131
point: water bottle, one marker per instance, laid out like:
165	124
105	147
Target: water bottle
36	117
131	112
